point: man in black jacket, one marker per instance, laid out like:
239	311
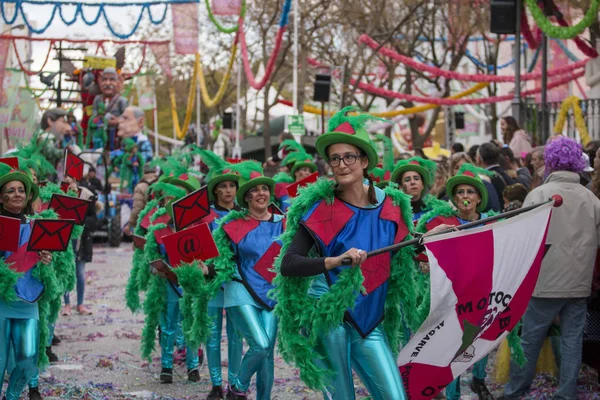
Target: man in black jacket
488	157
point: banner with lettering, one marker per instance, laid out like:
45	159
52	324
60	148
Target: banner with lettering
4	48
185	27
23	118
145	91
8	96
481	282
226	7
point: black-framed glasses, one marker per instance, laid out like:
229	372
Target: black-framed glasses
348	159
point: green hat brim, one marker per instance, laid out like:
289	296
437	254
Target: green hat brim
398	172
297	166
382	184
328	139
183	184
218	179
30	187
243	189
467	180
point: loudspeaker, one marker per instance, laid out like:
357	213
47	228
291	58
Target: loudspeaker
227	120
322	88
459	120
503	16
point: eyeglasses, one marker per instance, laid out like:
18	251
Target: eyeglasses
348	159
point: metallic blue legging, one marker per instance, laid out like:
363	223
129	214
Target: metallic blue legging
169	320
213	347
259	328
371	358
453	388
23	335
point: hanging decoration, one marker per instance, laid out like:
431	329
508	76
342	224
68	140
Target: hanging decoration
565	32
163	58
435	71
181	131
572	102
394	113
23	68
185	28
216	22
208	101
274	54
79	13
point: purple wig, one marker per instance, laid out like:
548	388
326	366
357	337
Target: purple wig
564	154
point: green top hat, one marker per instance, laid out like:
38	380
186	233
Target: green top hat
425	168
220	170
381	177
349	129
468	174
251	175
7	174
299	159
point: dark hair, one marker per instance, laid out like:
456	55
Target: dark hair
287	136
54	114
458	147
28	210
507	153
472	153
91	169
489	153
513	126
515	192
592	148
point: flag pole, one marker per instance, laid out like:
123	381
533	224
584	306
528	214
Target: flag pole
295	66
556	199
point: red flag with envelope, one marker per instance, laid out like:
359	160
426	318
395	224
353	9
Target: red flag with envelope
191	208
195	243
50	235
68	207
73	166
292	189
481	282
10	229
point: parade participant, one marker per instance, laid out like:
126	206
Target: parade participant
131	166
53	126
415	177
300	165
382	173
457	160
469	195
140	198
20	323
159	312
113	103
287	144
248	244
222	187
132	125
332	316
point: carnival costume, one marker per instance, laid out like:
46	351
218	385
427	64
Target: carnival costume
382	173
132	166
220	171
293	161
445	214
332	322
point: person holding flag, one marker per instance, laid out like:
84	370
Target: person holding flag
20	323
336	317
248	244
300	165
222	185
469	195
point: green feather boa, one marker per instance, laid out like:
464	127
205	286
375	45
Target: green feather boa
47	191
8	280
298	312
139	264
283	177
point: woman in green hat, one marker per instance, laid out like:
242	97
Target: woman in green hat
248	244
300	165
175	185
222	185
331	315
19	315
469	195
415	176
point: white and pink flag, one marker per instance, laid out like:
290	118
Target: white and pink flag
481	282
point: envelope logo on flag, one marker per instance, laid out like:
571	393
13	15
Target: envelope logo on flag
293	188
191	209
10	229
73	166
273	209
69	207
50	235
195	243
22	260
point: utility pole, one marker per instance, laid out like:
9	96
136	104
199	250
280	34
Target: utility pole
544	96
59	86
516	102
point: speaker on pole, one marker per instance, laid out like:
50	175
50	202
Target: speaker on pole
503	16
322	88
459	120
227	120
